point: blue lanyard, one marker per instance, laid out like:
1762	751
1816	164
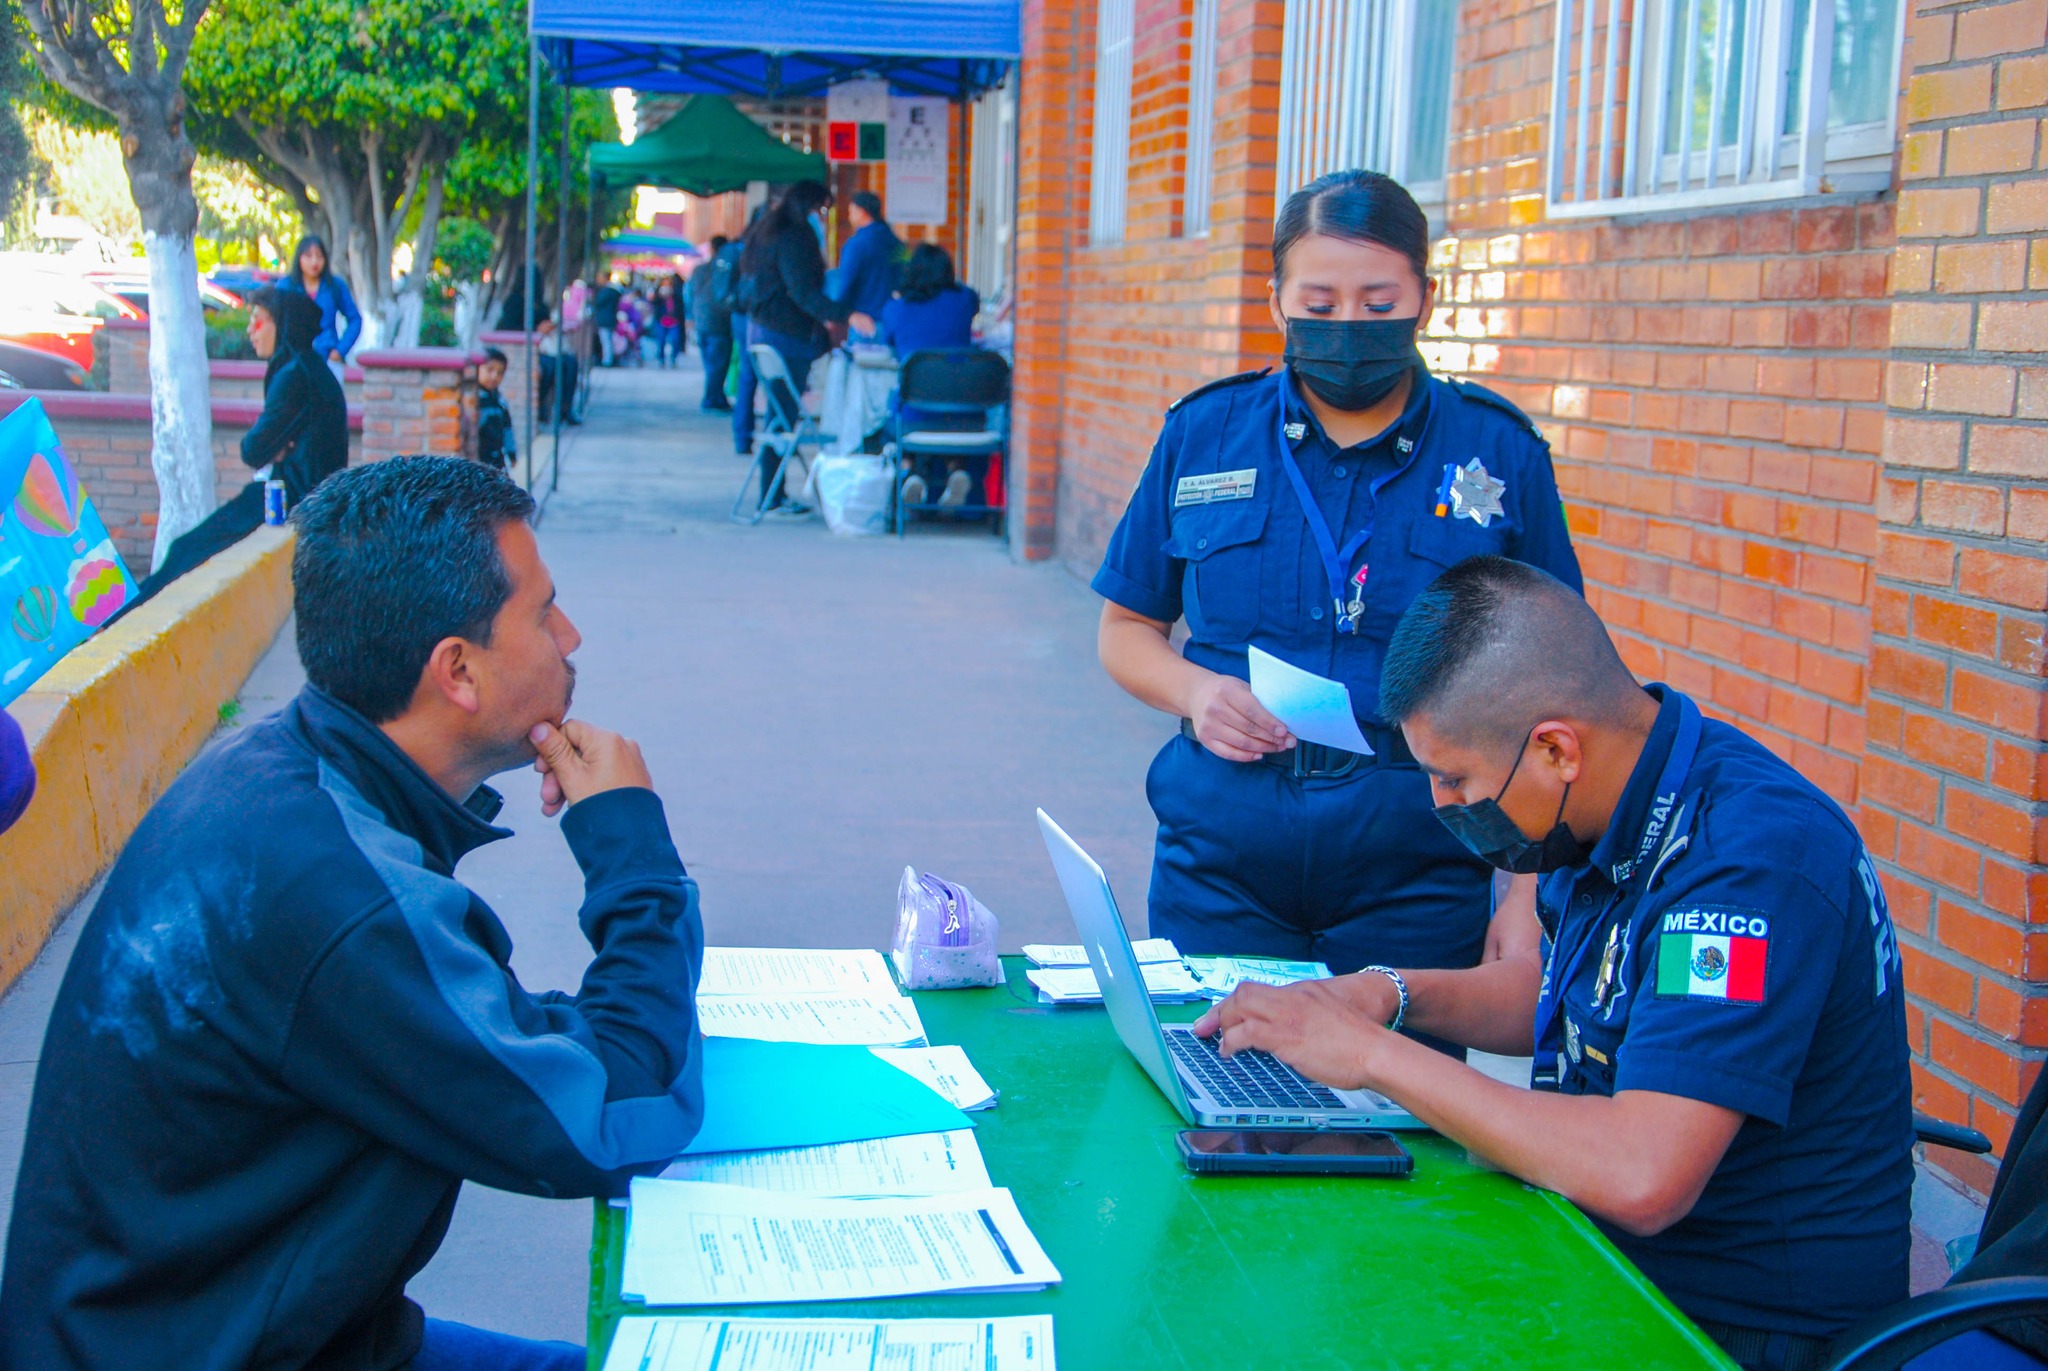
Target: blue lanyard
1683	748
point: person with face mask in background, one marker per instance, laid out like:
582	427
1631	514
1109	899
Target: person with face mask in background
1300	511
1720	1031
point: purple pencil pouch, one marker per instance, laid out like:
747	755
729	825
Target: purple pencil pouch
945	938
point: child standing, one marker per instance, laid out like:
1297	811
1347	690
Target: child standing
496	445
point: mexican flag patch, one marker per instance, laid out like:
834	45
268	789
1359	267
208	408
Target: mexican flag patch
1712	965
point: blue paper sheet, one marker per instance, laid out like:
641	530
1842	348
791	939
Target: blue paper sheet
762	1094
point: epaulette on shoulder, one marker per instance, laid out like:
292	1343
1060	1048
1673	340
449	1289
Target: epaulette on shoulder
1472	390
1236	380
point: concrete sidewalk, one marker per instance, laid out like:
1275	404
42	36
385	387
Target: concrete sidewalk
817	712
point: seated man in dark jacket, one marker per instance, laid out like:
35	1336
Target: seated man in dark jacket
289	1034
301	438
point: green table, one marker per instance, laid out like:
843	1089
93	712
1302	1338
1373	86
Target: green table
1456	1266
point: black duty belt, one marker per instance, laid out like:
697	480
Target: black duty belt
1305	761
1767	1350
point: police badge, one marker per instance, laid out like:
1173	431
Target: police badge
1475	494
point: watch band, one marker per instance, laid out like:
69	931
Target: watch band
1400	988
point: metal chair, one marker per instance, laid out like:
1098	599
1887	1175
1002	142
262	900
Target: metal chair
785	428
956	388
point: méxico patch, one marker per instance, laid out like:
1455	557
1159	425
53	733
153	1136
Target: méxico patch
1713	954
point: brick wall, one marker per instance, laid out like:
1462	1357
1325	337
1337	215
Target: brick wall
1108	336
409	401
107	438
1954	777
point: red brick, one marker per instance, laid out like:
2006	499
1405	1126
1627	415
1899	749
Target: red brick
1993	30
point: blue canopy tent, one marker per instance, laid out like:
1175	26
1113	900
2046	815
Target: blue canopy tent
780	49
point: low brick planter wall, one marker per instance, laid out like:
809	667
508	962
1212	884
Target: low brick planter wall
113	724
409	401
107	438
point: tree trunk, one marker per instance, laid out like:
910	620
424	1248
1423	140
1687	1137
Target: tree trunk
412	300
159	158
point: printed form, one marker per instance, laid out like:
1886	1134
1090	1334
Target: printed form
795	971
921	1164
857	1020
691	1243
1022	1343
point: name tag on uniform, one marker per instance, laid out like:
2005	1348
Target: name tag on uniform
1208	490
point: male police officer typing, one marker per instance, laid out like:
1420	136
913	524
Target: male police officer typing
1720	1030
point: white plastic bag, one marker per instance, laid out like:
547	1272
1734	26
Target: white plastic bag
853	493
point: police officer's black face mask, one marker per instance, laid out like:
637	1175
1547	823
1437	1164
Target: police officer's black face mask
1497	840
1352	364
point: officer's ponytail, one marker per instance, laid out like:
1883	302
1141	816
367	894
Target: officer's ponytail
1361	206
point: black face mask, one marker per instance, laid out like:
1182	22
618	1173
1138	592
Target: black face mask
1352	364
1486	829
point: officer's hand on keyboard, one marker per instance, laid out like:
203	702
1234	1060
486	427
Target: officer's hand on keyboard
1313	1026
1232	723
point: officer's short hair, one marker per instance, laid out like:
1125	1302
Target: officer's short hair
1492	648
392	557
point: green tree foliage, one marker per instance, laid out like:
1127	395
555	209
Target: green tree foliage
358	109
18	163
487	183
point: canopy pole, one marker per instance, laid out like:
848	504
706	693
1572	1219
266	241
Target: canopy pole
561	272
531	279
960	228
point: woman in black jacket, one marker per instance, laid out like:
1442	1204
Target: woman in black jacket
300	439
782	294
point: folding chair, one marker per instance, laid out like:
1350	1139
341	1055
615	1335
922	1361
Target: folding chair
785	428
955	388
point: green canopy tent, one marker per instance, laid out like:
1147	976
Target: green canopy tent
706	148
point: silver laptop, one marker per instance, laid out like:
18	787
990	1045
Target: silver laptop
1249	1090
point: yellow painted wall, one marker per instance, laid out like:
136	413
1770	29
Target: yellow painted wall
114	723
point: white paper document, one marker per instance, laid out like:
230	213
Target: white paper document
690	1243
794	971
667	1343
1314	708
859	1020
1073	954
946	1070
1167	982
919	1164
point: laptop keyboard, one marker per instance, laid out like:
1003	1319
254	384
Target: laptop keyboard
1249	1080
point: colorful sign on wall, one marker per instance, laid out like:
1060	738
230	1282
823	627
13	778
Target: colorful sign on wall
857	121
60	578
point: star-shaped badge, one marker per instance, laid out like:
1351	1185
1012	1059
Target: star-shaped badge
1475	494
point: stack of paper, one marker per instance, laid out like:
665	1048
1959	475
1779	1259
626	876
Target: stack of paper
1168	983
798	995
944	1069
692	1243
921	1164
1073	954
1221	975
1019	1343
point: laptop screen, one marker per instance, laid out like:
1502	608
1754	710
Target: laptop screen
1093	905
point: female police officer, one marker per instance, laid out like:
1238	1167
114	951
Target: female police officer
1300	512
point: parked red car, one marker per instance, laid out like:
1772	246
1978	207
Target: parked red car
55	311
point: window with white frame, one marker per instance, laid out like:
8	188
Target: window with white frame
1199	176
1109	168
992	193
1366	83
1731	106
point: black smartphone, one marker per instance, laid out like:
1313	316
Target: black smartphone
1293	1152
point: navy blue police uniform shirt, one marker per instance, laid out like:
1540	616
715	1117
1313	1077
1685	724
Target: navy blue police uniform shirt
1728	942
1215	533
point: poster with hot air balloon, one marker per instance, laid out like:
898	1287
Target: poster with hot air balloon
60	578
